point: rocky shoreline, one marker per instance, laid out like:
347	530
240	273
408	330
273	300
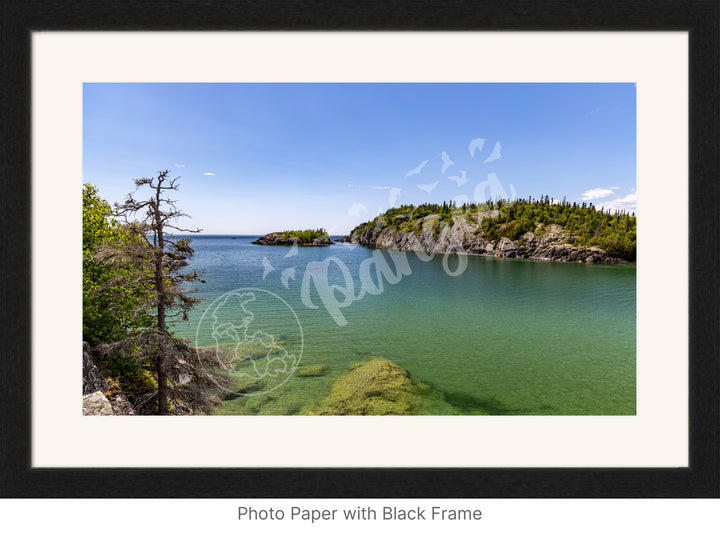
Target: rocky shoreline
465	237
100	398
278	238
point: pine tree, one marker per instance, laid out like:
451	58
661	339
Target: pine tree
175	362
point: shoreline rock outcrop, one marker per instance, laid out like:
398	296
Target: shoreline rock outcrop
100	397
96	404
93	380
462	236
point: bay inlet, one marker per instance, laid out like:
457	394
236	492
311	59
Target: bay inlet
504	337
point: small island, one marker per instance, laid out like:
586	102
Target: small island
296	237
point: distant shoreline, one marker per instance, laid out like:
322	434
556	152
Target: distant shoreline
256	235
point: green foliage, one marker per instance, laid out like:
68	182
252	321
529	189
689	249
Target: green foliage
307	235
109	311
584	225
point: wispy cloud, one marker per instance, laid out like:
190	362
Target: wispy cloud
596	193
209	174
178	165
393	195
357	209
417	170
628	203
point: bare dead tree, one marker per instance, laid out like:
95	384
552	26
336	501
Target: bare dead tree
165	256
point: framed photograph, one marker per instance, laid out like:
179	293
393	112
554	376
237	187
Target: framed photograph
313	260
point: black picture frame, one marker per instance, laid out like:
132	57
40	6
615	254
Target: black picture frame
700	18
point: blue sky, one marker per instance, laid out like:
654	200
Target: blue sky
256	158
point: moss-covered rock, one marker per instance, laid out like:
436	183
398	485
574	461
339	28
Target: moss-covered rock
376	387
314	370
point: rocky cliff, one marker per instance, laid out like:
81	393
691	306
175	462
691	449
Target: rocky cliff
100	397
463	236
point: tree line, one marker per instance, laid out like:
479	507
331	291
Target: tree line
307	235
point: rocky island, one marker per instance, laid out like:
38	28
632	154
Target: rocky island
296	237
538	229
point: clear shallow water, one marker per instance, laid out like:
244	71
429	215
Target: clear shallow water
505	337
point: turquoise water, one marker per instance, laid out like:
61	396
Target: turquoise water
503	337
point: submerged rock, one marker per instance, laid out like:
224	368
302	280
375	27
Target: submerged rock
314	370
376	387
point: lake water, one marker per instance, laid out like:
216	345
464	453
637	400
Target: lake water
504	337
